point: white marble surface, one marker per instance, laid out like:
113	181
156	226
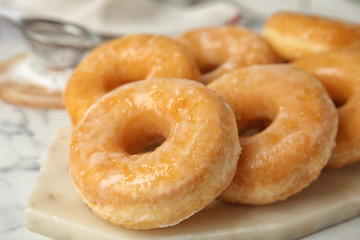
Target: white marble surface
24	138
25	135
55	209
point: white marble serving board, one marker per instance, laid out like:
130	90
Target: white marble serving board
56	211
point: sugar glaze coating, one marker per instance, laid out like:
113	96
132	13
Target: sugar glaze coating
296	35
290	153
218	50
127	59
339	72
195	163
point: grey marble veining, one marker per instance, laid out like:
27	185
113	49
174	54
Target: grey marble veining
55	209
25	134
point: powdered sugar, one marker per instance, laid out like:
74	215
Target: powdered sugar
24	72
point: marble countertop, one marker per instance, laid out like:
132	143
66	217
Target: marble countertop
25	135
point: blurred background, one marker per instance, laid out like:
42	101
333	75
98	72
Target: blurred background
169	16
111	18
25	133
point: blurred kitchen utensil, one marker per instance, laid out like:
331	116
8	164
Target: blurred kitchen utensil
56	44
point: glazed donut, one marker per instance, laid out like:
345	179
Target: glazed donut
218	50
295	35
339	72
195	163
131	58
287	126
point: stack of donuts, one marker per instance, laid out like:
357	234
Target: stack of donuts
230	114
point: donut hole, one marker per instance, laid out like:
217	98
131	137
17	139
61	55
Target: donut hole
153	143
339	103
338	90
147	142
209	68
143	133
111	83
339	98
254	113
251	127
